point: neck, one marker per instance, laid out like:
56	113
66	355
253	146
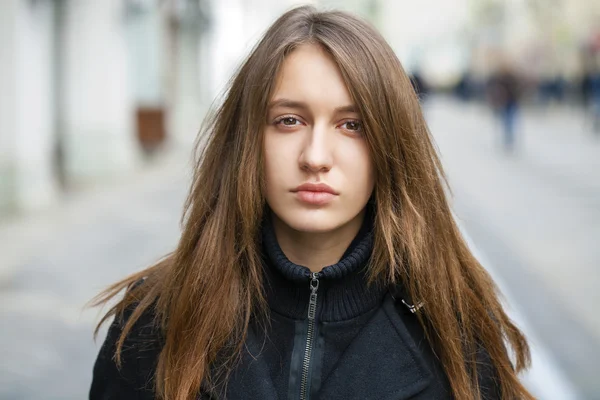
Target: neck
316	250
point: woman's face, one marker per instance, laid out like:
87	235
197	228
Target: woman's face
314	137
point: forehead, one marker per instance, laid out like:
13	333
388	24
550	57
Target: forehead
310	74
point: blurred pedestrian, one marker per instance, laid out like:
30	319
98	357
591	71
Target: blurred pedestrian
319	256
585	89
595	100
464	87
503	94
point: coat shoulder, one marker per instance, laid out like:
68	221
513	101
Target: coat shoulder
134	377
487	375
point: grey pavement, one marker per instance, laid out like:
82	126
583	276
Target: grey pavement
55	261
535	215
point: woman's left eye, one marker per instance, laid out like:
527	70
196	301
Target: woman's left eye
355	126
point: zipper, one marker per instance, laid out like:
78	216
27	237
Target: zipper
312	310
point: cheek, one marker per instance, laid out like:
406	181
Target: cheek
276	160
270	154
360	171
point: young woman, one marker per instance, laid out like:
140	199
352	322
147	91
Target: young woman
319	258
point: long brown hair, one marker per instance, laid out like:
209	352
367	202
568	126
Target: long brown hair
205	293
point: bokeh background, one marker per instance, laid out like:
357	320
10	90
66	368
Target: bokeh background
100	102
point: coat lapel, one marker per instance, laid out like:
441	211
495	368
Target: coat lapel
381	363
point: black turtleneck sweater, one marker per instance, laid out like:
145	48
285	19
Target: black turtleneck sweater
343	293
359	343
344	303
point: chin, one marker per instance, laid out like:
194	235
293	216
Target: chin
316	221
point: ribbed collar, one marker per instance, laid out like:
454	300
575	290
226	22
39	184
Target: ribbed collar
343	290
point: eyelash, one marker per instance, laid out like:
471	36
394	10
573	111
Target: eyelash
279	120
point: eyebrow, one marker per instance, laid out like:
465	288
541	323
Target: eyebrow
287	103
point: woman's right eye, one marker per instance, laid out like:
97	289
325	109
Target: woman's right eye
287	121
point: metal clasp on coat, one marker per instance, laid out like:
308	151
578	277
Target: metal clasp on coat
413	308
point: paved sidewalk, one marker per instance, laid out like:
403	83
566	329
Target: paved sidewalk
56	261
535	215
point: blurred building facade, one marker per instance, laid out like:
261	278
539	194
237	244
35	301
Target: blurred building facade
68	104
544	42
444	40
89	87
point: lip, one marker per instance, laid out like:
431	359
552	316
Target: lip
315	193
315	187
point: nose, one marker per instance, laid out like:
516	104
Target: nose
316	155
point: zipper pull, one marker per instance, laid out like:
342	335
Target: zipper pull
312	303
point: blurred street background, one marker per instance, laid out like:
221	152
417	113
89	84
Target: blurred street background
100	103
